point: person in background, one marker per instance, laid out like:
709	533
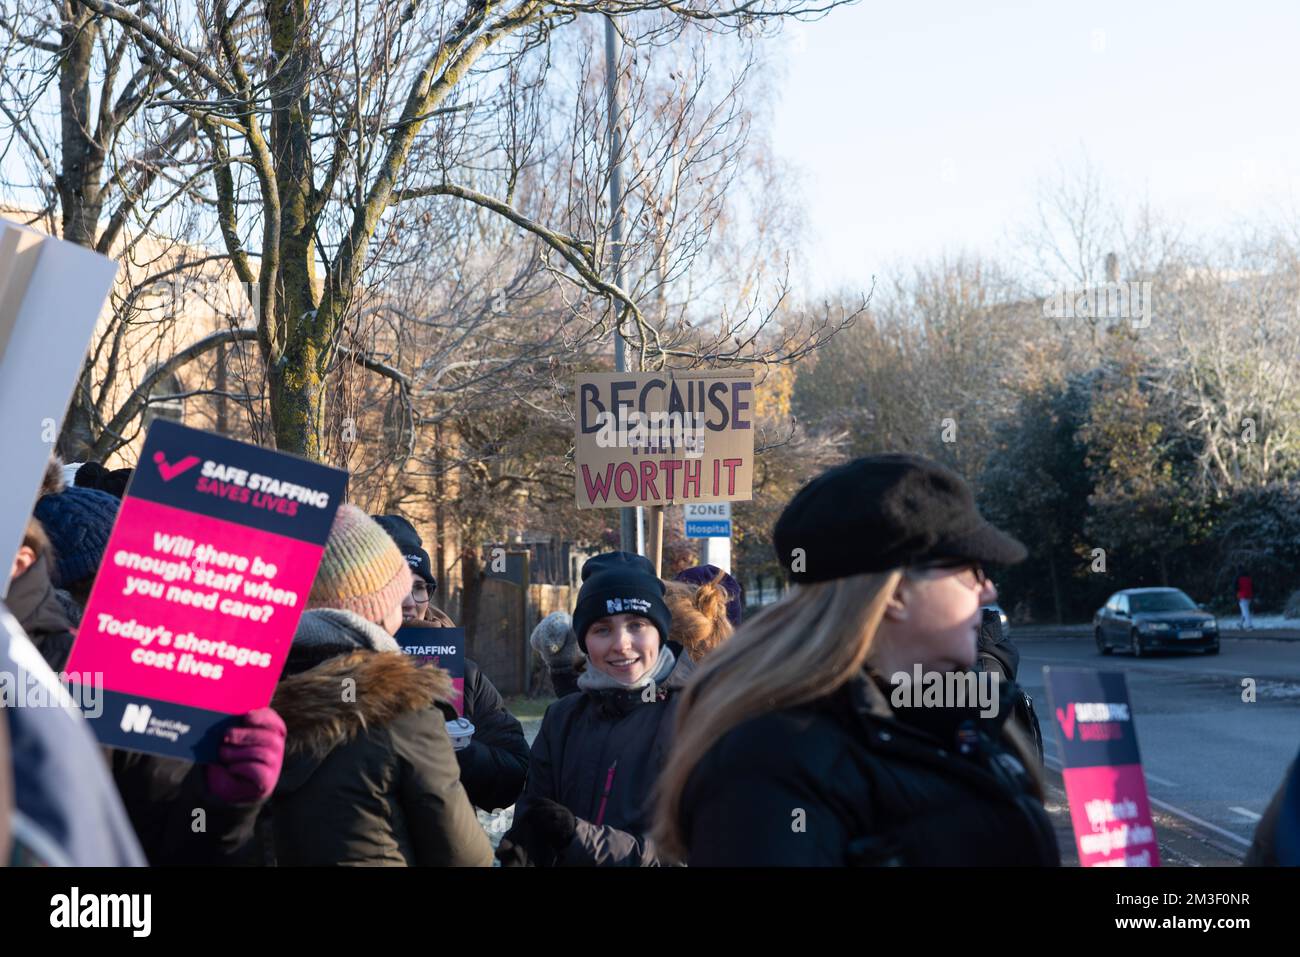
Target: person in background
370	776
556	644
77	522
1277	836
706	574
421	605
997	655
94	475
493	765
595	760
705	605
1245	594
34	602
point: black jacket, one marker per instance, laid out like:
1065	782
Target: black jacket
843	781
1277	836
999	656
33	601
162	795
599	753
177	821
495	763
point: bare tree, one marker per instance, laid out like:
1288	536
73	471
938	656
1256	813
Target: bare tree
104	170
310	146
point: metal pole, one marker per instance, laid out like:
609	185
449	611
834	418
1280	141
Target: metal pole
629	518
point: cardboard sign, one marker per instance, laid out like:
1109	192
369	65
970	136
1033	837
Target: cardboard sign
1102	769
646	438
201	586
51	296
444	647
708	521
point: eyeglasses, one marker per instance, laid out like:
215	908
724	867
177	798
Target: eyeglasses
420	592
972	572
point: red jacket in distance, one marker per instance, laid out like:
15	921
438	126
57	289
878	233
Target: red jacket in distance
1245	589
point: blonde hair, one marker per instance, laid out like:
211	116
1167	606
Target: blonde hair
699	622
800	649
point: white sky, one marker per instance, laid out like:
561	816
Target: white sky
925	127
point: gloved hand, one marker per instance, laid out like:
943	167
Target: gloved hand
538	837
554	640
249	759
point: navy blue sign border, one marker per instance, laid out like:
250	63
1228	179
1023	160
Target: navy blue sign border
1066	686
175	442
199	744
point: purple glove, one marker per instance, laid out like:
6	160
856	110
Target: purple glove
249	759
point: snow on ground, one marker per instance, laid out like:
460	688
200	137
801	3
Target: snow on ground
1260	621
497	823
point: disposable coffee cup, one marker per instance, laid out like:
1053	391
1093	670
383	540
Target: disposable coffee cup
461	732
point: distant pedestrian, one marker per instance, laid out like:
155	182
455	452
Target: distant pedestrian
1245	594
494	763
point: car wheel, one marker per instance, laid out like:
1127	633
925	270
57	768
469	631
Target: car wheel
1102	647
1136	644
1212	650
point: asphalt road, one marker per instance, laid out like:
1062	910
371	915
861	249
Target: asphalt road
1212	760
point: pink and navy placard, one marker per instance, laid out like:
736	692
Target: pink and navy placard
444	647
200	589
1102	769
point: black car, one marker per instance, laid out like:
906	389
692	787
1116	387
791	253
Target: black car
1150	619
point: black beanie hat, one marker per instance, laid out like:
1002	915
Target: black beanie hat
620	583
409	544
882	512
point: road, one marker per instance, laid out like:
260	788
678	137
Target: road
1212	760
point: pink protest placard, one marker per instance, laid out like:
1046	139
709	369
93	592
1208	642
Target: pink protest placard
1109	807
200	588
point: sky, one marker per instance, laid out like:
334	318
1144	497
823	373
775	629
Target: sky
925	128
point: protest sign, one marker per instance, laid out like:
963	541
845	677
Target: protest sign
444	647
51	296
651	438
1102	769
200	589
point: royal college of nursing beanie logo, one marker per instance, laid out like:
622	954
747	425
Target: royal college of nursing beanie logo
169	472
615	606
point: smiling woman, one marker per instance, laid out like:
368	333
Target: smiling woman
598	753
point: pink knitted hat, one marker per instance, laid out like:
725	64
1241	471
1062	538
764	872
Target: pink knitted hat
362	569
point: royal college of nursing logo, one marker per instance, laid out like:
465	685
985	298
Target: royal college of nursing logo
136	718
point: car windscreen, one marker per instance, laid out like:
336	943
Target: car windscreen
1160	601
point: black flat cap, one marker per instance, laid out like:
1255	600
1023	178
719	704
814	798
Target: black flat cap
882	512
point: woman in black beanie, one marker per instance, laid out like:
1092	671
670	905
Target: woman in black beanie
793	744
596	757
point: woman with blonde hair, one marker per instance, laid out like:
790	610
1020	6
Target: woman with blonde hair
705	603
798	743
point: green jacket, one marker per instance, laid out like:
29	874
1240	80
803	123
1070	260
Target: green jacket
370	776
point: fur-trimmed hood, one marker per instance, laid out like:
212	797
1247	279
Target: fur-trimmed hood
321	710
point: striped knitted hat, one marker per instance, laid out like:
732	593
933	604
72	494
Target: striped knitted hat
361	569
